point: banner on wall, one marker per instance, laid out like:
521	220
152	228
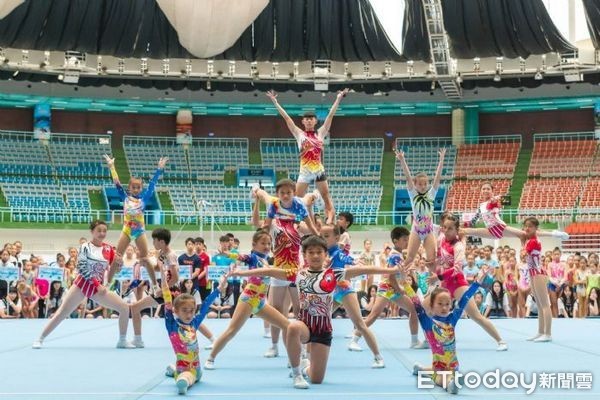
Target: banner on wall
41	121
184	126
597	119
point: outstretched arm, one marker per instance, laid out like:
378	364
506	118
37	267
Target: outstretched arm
327	123
438	172
409	180
271	94
159	170
277	273
255	220
110	161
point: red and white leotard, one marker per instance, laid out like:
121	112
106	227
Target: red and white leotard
92	262
489	212
451	258
533	247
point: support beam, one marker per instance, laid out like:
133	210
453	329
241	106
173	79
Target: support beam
443	64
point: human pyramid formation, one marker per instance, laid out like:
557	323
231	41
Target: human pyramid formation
312	264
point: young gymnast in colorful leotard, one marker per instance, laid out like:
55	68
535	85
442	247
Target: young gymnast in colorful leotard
310	144
440	330
495	227
422	197
316	284
451	259
253	299
539	280
182	322
134	201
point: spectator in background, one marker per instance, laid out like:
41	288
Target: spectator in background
497	302
592	302
470	270
580	279
10	306
487	259
478	298
225	257
11	251
192	259
556	279
567	303
202	278
593	278
4	263
55	298
368	259
531	309
29	300
18	245
73	253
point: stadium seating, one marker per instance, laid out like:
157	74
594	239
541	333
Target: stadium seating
584	237
421	155
208	158
491	160
562	155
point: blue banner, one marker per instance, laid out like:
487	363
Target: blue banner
41	121
9	274
125	274
185	272
51	273
215	272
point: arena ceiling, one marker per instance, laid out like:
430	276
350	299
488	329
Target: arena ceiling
291	44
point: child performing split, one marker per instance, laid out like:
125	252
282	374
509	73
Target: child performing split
182	322
253	298
440	331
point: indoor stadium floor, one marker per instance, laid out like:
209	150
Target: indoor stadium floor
79	361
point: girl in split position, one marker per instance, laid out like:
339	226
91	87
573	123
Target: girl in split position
95	257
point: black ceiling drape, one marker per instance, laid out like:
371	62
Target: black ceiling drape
363	87
486	28
592	14
286	30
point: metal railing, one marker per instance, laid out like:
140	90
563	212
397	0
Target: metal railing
61	216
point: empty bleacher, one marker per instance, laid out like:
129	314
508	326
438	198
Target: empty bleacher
562	155
494	157
80	155
229	205
209	158
558	177
584	237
